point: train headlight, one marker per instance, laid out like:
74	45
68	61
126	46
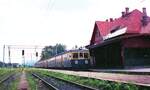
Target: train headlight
76	62
86	61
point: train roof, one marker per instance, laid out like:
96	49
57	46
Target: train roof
74	50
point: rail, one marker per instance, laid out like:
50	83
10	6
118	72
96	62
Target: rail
44	81
6	78
81	87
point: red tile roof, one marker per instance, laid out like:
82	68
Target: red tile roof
132	21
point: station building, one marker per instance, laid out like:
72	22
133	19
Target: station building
122	42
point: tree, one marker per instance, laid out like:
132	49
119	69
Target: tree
50	51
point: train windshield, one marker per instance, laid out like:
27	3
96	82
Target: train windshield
85	55
75	55
81	55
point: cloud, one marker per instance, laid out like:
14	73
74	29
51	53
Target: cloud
70	5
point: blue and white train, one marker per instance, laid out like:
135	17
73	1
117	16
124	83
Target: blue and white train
72	59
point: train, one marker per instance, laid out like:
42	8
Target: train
72	59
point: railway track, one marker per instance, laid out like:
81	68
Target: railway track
6	82
6	78
54	83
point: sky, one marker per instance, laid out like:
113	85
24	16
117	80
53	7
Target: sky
47	22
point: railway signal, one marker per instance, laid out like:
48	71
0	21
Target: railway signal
36	54
22	52
23	58
10	49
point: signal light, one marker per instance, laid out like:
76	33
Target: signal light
36	54
22	52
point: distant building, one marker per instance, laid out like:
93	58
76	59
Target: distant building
123	42
1	64
15	65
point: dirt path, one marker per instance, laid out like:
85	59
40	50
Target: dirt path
23	84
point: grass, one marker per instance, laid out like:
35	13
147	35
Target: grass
99	84
32	82
4	72
14	84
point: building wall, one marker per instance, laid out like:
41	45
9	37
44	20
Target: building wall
126	53
108	56
137	42
136	52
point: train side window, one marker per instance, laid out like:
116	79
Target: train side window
81	55
75	55
70	57
85	55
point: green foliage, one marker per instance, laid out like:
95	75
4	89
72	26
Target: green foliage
14	84
4	72
32	82
50	51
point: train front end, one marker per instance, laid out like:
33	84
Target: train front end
80	59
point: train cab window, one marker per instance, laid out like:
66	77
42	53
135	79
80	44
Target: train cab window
81	55
75	55
85	55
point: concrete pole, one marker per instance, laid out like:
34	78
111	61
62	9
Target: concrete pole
23	61
4	56
36	55
9	56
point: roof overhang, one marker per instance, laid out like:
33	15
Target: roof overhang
116	39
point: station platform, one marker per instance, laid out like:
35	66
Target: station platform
139	71
143	80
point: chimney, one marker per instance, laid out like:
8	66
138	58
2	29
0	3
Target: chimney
144	11
127	10
106	20
111	19
145	19
123	14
